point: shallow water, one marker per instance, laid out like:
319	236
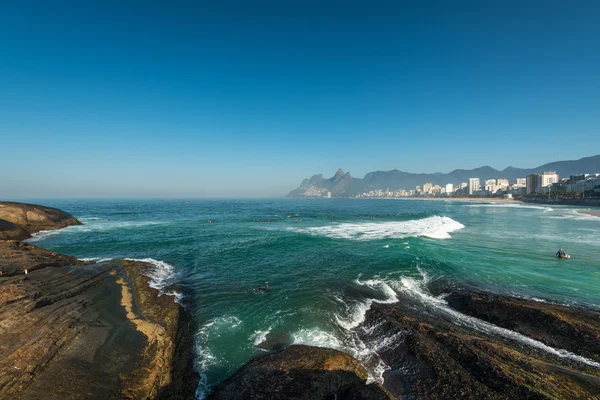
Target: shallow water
326	269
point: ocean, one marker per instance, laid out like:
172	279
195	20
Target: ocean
327	260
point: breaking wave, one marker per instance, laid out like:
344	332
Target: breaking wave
433	227
162	275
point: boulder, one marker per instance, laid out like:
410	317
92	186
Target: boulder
34	218
300	372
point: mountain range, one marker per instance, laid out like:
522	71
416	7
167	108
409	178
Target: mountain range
344	185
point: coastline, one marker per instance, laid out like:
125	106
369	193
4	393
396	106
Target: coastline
593	213
458	199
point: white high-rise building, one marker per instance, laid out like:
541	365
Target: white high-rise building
547	179
449	188
522	181
473	186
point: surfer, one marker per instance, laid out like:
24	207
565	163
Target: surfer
263	289
561	254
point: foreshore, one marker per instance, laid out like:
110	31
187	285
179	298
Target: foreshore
461	199
594	213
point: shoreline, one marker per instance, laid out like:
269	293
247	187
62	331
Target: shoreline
593	213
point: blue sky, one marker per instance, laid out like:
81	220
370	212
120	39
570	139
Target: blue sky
245	99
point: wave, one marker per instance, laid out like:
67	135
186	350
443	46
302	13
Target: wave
318	338
358	312
161	276
205	359
260	336
509	205
577	216
91	226
416	289
433	227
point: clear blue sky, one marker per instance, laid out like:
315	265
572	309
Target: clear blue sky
222	98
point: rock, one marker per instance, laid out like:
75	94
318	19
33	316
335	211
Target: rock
432	357
299	372
16	256
571	328
93	331
10	231
34	218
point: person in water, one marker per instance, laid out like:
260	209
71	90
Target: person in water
560	253
263	289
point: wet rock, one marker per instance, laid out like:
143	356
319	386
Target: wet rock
433	357
300	372
571	328
34	218
95	331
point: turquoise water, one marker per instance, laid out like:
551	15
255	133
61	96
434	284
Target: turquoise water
327	268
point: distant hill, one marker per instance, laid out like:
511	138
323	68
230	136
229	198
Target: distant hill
344	185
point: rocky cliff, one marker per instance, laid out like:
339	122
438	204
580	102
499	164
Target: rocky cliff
19	220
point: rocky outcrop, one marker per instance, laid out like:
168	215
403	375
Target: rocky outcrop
570	328
96	331
10	231
16	256
34	218
440	355
300	372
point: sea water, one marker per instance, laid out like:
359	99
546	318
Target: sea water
328	260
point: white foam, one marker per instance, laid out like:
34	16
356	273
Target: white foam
577	215
358	311
93	226
433	227
318	338
260	336
387	246
416	290
509	205
97	259
161	275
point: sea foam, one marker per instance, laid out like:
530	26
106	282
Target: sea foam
435	227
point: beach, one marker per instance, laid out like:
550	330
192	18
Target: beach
594	213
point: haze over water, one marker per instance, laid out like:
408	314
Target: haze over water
326	269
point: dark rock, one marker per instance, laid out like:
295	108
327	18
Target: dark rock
10	231
34	218
434	358
299	372
571	328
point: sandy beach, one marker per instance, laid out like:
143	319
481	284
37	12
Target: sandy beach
469	199
595	213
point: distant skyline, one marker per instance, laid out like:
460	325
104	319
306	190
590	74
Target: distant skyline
238	99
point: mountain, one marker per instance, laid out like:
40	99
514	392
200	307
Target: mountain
344	185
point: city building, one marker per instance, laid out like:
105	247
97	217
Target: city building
547	179
427	188
473	186
449	188
531	183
